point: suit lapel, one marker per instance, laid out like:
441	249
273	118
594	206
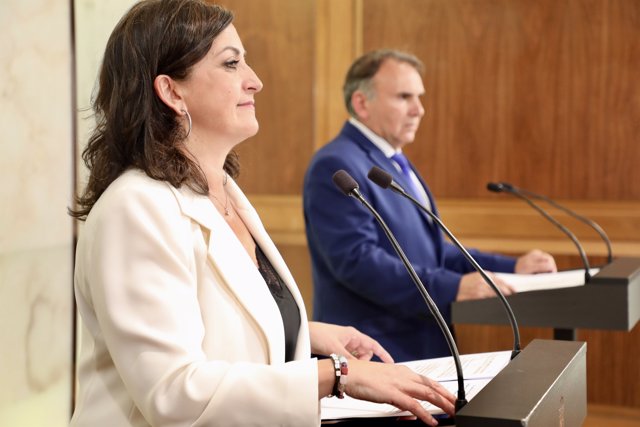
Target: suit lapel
433	227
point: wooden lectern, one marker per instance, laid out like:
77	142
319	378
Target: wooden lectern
545	385
610	300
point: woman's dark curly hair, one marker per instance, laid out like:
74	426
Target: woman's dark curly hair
134	128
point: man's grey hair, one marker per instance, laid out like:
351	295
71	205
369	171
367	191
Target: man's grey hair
361	73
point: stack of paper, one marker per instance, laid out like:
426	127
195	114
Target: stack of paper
545	281
478	370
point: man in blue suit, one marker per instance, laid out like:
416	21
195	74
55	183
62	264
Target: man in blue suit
358	278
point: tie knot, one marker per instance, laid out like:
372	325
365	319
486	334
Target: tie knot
402	161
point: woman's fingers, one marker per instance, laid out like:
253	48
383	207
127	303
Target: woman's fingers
399	386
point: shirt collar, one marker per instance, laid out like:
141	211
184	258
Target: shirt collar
386	148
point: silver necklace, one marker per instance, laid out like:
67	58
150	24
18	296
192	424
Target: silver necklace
226	195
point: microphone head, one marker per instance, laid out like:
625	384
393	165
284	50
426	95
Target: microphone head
345	182
496	187
380	177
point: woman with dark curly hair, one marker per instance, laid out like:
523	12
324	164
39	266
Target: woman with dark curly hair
190	315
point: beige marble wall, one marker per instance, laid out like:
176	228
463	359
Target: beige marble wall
95	19
35	231
36	234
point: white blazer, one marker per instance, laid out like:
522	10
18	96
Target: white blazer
179	327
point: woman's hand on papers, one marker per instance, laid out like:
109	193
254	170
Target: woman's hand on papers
399	386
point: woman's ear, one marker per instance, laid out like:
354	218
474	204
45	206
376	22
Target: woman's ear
169	92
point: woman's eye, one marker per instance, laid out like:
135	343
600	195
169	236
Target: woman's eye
231	64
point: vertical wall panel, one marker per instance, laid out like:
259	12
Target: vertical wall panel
338	41
35	231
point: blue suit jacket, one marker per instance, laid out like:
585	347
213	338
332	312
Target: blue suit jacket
358	278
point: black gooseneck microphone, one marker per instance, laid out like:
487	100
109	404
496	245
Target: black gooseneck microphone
591	223
350	187
385	180
501	188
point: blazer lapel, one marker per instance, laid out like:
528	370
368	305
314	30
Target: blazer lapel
260	235
234	266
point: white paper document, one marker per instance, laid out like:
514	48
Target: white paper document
545	281
478	370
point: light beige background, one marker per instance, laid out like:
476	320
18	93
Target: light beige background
36	234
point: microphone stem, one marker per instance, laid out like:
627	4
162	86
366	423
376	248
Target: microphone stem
485	276
433	308
587	221
583	256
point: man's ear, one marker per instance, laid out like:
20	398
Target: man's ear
359	103
169	92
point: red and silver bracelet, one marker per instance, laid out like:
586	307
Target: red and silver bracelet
341	368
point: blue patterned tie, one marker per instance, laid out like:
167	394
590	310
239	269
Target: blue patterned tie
413	190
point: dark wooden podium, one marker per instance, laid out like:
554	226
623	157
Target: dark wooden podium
610	300
545	385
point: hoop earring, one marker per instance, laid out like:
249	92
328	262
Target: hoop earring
189	119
